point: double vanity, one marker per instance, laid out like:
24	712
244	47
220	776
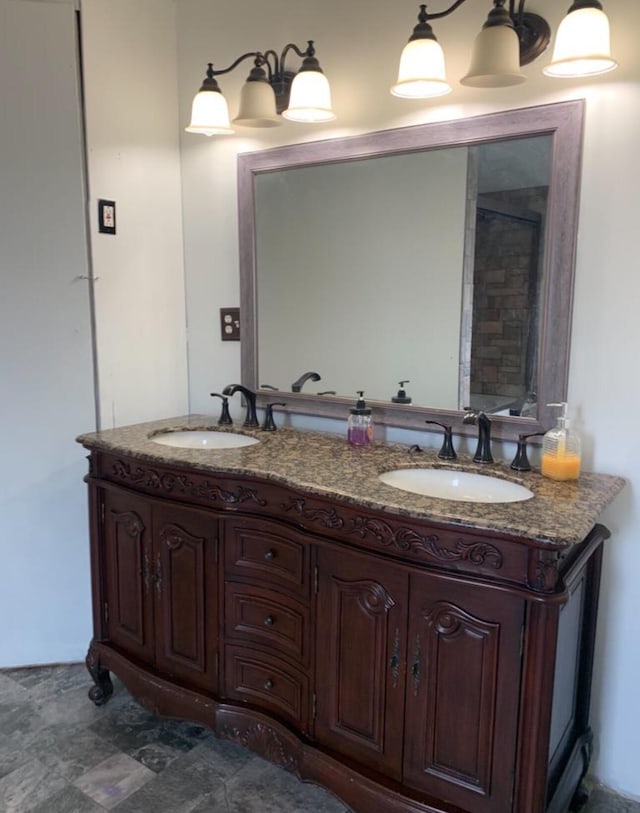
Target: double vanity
411	653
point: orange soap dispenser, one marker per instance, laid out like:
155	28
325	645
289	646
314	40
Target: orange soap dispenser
561	453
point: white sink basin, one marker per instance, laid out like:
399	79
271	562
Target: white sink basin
448	484
204	439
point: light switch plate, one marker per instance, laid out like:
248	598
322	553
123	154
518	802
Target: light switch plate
107	216
230	324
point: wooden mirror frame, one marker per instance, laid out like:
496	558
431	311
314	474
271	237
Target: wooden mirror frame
563	121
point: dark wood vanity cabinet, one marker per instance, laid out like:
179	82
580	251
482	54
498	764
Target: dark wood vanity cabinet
158	566
418	677
409	668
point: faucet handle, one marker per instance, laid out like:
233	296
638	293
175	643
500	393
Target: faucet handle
521	462
269	424
225	417
447	452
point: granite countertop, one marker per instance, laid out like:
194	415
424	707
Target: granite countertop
323	464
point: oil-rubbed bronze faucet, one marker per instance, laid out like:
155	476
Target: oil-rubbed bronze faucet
447	452
251	418
225	417
297	385
483	450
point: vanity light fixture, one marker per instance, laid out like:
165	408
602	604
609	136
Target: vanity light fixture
270	91
511	37
582	46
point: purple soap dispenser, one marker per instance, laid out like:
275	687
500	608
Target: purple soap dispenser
360	423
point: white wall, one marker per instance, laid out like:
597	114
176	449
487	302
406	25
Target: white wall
45	340
132	132
358	45
385	234
45	326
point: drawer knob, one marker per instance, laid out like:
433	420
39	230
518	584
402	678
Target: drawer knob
270	554
269	621
268	684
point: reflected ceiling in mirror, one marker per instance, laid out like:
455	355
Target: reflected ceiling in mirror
441	254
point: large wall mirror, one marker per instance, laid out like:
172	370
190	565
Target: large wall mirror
440	254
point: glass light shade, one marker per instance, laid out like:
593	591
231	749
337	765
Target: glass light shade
310	98
257	106
582	46
495	61
422	72
209	114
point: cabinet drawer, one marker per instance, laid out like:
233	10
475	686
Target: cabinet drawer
268	552
263	616
267	681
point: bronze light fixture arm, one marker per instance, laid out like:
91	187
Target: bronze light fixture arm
270	67
534	33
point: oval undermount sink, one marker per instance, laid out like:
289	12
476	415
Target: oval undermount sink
449	484
204	439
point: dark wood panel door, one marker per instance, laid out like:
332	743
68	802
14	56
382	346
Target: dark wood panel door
128	573
360	652
186	600
462	692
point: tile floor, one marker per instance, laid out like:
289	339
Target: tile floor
61	754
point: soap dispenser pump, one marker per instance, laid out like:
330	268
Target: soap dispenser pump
401	397
561	453
360	423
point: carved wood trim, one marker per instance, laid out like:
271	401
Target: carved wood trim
262	740
170	483
173	536
544	566
327	517
130	521
372	596
403	539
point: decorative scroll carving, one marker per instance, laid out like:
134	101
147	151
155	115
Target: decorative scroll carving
543	570
403	539
406	539
181	484
328	518
102	691
372	596
131	522
173	536
448	619
264	741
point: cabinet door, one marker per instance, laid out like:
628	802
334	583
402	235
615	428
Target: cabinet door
361	646
127	567
185	588
462	692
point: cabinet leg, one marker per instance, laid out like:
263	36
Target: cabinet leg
103	689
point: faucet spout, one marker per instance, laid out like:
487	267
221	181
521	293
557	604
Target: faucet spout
310	376
483	450
251	418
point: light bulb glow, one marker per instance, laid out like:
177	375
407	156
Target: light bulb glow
582	46
421	74
310	98
209	114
